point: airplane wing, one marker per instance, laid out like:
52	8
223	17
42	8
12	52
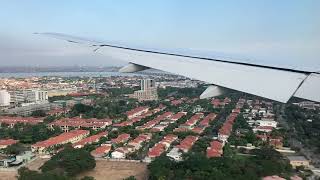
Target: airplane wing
272	82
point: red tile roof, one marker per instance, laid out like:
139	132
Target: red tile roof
8	142
121	138
90	139
101	150
215	149
76	122
14	120
187	143
137	110
161	146
61	138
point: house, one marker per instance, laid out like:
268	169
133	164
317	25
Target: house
267	123
11	121
265	129
186	144
297	161
175	154
47	146
101	151
4	143
215	149
120	153
122	138
161	146
90	140
137	142
137	112
66	124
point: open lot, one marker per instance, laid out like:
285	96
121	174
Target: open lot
9	174
115	170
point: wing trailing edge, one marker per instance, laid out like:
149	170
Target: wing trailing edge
278	84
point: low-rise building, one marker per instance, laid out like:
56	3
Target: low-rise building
66	123
137	112
120	153
4	143
215	149
297	161
122	138
268	123
186	144
161	146
101	151
11	121
90	140
48	145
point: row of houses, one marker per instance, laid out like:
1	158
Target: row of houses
131	146
220	103
216	146
11	121
190	123
48	146
184	147
204	123
4	143
89	140
135	115
161	146
155	121
226	129
165	123
66	124
137	112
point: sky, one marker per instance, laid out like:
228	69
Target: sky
285	32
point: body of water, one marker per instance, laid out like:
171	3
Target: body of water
67	74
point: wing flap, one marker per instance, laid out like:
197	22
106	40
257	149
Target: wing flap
310	88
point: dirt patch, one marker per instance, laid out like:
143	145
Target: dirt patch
36	164
114	170
8	175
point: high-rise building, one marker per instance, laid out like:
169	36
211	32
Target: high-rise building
29	96
148	91
147	84
4	98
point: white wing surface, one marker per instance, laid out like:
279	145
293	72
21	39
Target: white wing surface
276	83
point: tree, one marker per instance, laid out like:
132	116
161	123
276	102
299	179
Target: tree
88	178
39	113
71	161
130	178
14	149
26	174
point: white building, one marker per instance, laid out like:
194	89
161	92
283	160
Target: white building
4	98
267	123
175	154
29	96
120	153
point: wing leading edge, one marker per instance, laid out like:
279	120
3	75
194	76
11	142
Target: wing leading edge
274	83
